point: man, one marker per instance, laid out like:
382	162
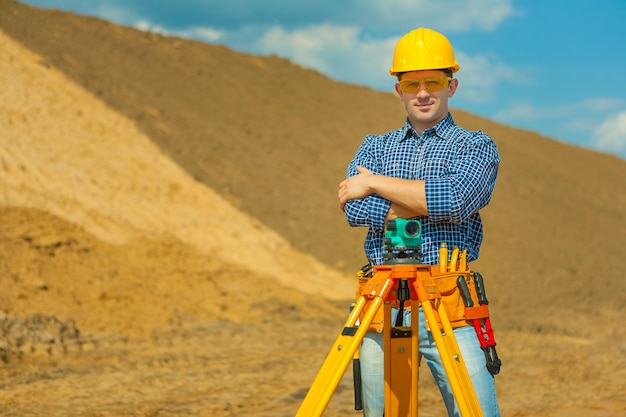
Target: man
434	171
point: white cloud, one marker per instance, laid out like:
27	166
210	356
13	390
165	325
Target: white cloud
202	33
480	76
610	135
596	123
199	33
338	51
112	12
581	115
383	16
603	104
449	15
345	54
146	26
529	111
310	45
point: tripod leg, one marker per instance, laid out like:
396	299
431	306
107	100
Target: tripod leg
452	360
401	365
338	359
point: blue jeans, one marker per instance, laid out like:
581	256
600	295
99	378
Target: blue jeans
372	369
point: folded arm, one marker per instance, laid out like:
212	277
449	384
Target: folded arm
407	197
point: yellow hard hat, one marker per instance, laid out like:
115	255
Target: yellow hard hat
423	49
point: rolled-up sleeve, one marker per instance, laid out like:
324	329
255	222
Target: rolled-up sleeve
372	210
468	183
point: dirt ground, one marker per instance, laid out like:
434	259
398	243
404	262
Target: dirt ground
168	249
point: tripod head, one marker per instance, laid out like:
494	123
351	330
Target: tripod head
403	242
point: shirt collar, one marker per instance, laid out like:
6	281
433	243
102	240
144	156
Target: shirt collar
438	130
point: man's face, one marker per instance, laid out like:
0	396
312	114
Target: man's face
425	96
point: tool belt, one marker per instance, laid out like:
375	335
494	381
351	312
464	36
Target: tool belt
462	293
458	313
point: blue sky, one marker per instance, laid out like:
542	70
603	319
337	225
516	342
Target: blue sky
554	67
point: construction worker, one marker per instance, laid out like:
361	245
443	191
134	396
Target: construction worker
432	170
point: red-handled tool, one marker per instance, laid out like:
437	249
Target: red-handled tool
485	335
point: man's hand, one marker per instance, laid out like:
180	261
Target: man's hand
355	187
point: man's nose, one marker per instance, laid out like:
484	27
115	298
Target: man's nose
423	91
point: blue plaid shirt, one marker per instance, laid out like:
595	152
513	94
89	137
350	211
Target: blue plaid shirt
459	167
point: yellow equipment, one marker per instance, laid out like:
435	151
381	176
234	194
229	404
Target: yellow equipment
423	49
401	280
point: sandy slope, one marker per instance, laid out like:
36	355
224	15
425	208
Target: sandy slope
94	168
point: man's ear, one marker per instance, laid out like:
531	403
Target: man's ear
454	84
398	90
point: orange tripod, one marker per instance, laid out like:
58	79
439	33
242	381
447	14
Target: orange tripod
401	279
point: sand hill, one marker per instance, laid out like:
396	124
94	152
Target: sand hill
171	242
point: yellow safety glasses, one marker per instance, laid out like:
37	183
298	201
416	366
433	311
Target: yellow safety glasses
431	84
